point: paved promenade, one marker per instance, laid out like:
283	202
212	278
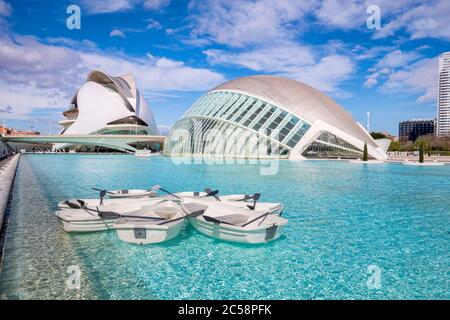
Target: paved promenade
399	158
7	173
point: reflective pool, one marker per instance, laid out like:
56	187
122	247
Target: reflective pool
355	231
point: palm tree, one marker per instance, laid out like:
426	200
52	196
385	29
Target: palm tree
365	152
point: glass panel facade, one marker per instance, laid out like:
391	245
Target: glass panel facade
241	119
328	145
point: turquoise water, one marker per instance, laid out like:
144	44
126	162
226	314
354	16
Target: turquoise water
343	218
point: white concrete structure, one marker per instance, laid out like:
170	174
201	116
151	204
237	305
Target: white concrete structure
266	116
118	142
107	105
443	103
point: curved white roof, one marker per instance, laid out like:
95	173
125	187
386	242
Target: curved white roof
300	99
98	105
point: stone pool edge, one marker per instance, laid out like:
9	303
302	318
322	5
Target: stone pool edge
7	175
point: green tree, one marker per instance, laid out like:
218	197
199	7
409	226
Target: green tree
365	152
378	135
394	146
421	152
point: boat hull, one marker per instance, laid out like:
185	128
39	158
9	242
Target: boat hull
147	234
91	225
131	194
228	233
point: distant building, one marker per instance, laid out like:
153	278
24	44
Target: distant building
4	131
24	133
443	112
389	136
107	105
410	130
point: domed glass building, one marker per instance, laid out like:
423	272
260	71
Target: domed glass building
265	117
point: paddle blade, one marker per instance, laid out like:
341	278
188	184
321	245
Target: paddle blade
195	214
108	215
256	196
210	192
72	205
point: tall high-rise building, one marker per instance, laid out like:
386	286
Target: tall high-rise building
443	112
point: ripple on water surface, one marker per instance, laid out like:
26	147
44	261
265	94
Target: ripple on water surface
342	218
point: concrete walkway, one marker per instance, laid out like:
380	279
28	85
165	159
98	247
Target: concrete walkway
7	173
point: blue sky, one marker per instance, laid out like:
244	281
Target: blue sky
177	50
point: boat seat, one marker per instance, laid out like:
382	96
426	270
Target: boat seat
233	219
193	207
124	191
166	213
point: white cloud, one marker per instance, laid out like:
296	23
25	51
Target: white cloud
343	14
359	52
67	42
389	63
371	81
265	32
37	75
153	25
156	4
397	59
420	78
292	61
117	33
105	6
5	9
241	23
101	6
278	59
428	20
327	74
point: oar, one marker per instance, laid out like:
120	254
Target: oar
257	218
214	220
81	205
105	214
190	215
74	205
249	196
102	194
115	215
154	188
210	192
158	187
103	190
255	197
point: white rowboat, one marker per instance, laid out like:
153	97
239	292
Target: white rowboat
89	218
229	223
146	231
131	193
